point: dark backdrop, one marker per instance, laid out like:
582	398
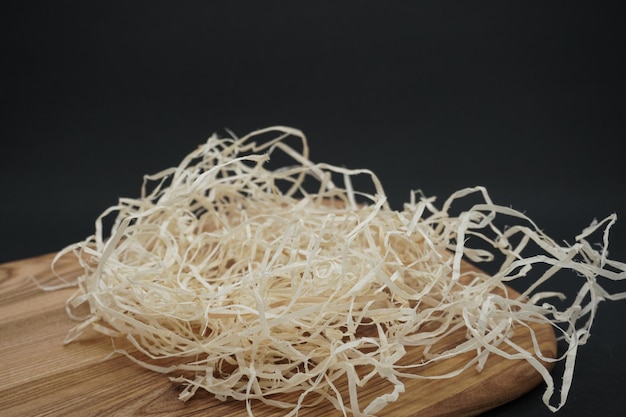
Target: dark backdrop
525	98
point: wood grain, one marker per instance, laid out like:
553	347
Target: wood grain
43	377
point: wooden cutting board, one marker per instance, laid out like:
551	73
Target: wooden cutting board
42	377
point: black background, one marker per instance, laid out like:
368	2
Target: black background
525	98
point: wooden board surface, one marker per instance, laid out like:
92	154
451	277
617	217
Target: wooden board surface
43	377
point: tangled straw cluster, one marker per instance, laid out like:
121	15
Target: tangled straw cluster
249	282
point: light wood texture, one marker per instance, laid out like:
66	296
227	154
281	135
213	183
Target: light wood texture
42	377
